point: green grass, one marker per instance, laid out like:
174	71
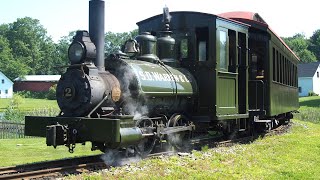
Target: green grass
22	151
29	104
309	109
294	155
311	101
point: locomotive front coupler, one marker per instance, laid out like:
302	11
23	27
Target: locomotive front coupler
61	135
56	135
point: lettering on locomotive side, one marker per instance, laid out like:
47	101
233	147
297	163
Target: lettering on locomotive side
155	76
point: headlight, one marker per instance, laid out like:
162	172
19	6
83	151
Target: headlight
82	49
76	53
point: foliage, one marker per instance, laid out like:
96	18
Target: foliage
18	107
114	41
32	94
315	43
51	95
25	48
311	93
31	45
13	111
299	44
13	114
8	65
62	51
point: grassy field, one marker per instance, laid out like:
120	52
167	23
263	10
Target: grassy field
294	155
21	151
29	104
309	109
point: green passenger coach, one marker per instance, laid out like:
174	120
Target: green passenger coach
273	64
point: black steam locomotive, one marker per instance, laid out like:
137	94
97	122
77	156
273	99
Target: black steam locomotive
186	73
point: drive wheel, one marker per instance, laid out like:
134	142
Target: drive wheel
180	140
147	144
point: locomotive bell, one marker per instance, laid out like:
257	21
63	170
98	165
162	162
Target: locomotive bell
131	47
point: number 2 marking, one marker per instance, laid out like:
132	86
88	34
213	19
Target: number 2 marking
67	92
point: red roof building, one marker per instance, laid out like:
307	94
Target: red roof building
35	83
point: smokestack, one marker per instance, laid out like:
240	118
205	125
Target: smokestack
96	30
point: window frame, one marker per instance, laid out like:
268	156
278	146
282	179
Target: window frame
226	49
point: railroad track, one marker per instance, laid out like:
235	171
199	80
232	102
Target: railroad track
53	168
60	168
78	165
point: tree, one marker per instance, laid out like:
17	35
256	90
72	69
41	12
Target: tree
30	45
299	44
11	68
315	43
114	41
62	49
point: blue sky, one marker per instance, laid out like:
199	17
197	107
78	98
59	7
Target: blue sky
60	17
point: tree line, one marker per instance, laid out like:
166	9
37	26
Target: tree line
27	49
307	49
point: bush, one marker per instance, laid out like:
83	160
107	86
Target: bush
33	95
311	93
12	111
13	114
52	92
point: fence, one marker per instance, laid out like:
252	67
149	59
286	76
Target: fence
11	130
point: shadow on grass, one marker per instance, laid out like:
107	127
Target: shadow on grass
311	103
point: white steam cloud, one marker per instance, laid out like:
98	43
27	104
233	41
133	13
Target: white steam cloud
116	158
133	102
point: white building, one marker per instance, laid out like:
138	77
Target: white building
6	86
309	78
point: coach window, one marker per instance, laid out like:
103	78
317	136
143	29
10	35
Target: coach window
278	66
274	64
292	78
223	50
232	51
202	34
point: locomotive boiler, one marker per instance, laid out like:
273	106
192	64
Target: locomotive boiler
185	75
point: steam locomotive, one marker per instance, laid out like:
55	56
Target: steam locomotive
185	74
